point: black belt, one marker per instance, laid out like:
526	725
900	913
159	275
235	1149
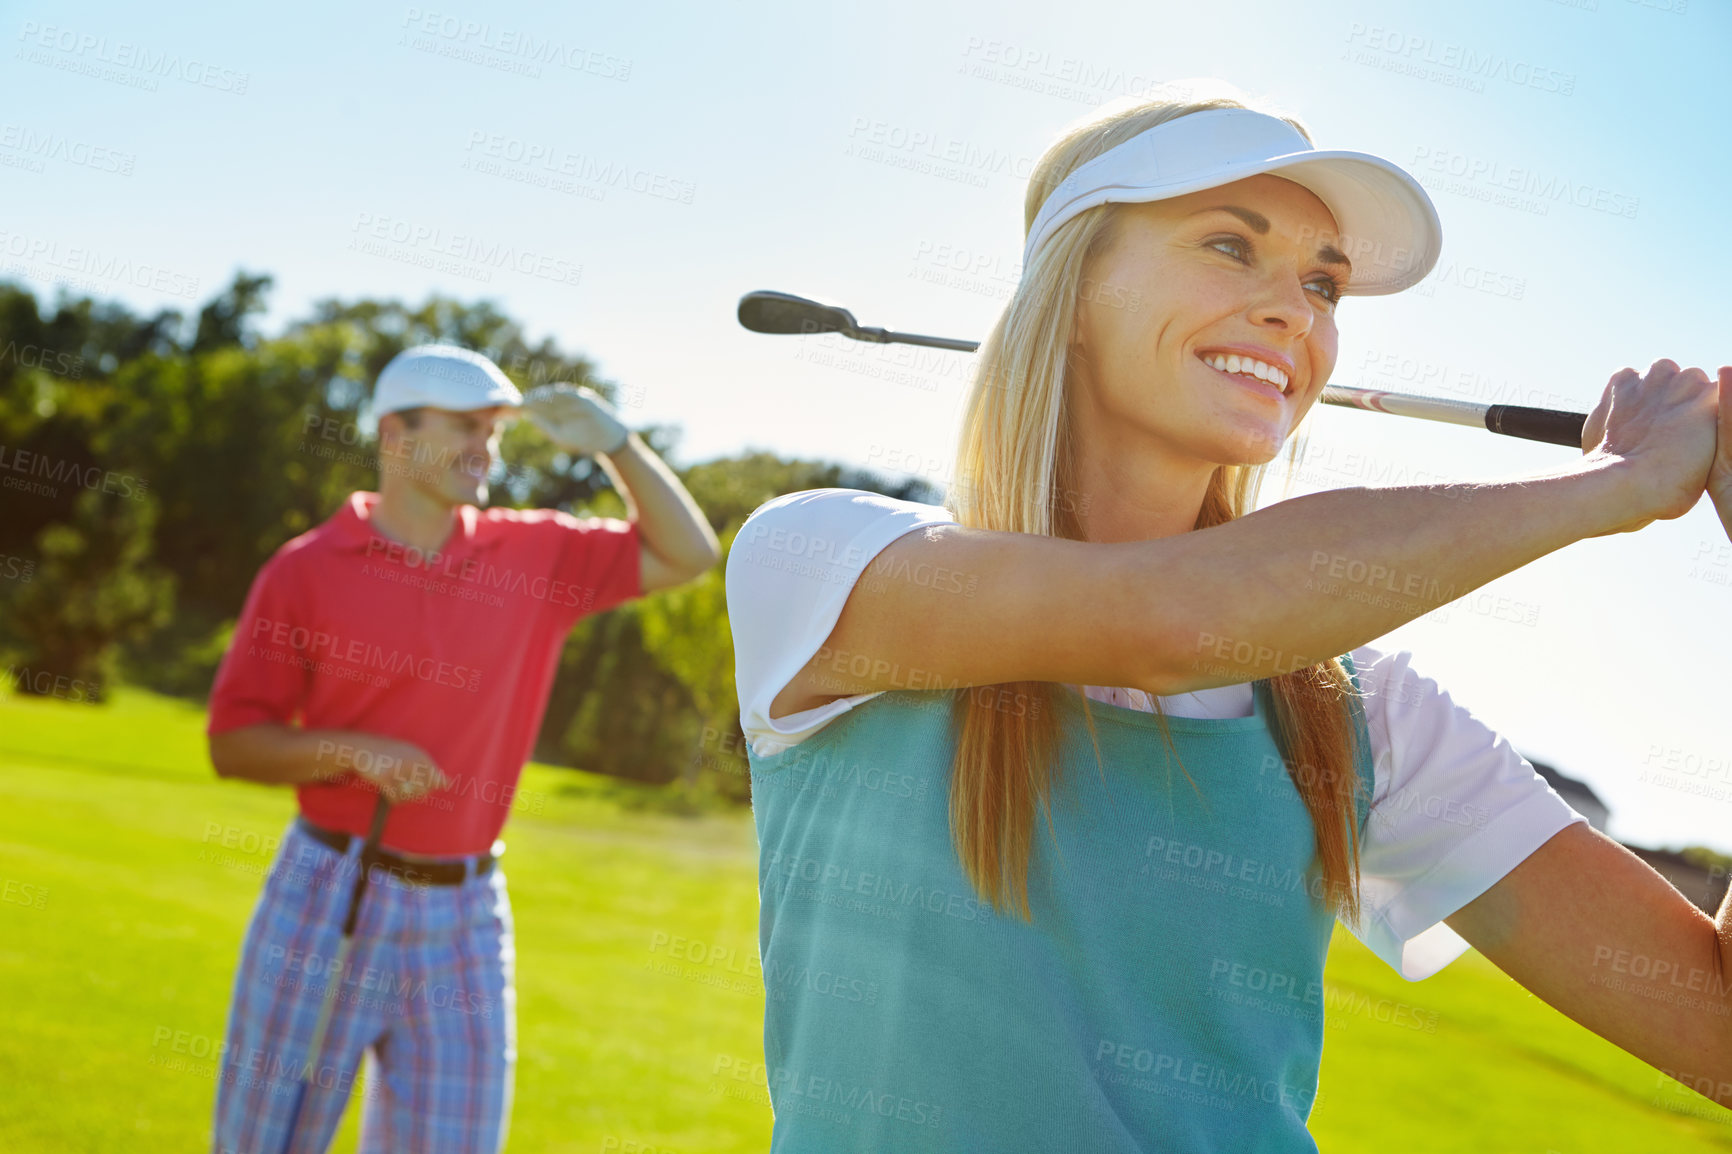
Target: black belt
451	872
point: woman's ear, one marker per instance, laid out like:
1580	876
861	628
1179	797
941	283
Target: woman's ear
1081	319
1076	349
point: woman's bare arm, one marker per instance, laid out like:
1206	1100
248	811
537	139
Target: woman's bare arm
1276	590
1595	932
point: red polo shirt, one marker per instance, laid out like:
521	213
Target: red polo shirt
454	651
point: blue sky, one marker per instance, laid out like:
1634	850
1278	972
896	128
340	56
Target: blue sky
645	164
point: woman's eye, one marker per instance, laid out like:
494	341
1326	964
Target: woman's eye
1331	287
1236	242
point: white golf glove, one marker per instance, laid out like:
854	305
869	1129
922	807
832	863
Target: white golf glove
576	418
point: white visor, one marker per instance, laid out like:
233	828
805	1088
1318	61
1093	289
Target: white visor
1387	225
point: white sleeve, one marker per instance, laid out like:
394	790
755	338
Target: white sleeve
1454	809
789	572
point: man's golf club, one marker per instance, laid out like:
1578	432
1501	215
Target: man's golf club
335	974
766	311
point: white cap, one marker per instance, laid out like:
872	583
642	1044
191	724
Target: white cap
442	377
1386	223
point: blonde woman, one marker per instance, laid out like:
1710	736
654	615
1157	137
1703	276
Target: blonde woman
1059	790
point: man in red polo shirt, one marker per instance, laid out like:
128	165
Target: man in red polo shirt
406	647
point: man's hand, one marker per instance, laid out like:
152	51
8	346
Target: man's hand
279	754
1720	473
401	770
576	419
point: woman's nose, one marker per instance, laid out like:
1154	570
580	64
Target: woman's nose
1284	302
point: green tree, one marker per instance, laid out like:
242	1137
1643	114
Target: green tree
93	587
685	630
224	322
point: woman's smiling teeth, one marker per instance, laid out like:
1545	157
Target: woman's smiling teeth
1247	366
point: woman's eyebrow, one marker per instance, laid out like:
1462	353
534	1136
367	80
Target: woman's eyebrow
1259	223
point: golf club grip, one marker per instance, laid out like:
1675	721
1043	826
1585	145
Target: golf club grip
381	809
1553	426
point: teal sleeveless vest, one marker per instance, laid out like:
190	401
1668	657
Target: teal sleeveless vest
1168	995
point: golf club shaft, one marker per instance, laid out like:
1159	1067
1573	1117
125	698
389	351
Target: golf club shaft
777	312
1550	426
890	337
346	945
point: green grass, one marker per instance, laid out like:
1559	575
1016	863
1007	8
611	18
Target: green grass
132	922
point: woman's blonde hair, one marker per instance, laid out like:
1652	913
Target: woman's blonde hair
1014	465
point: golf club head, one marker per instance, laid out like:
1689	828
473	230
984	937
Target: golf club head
773	312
